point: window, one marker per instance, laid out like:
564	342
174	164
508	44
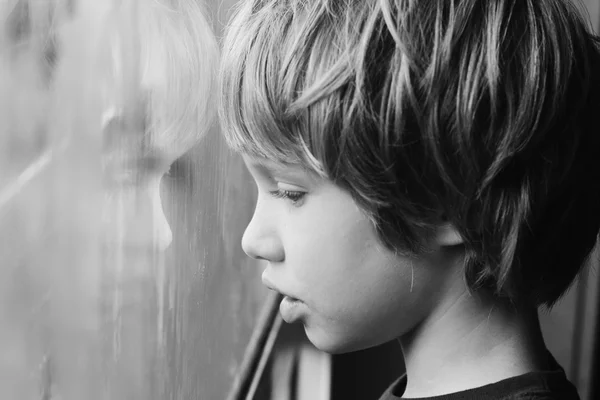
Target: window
118	282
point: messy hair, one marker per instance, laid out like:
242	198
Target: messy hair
478	113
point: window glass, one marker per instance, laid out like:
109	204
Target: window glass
121	209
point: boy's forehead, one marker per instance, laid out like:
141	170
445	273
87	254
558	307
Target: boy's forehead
273	167
270	165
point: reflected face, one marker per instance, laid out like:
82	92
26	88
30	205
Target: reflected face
134	167
134	214
348	290
132	171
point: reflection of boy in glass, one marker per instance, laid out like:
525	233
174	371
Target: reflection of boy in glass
154	65
155	111
427	171
158	105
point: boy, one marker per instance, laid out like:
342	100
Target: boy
426	171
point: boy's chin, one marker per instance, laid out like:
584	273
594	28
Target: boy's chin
335	344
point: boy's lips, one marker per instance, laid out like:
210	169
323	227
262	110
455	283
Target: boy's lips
291	307
269	284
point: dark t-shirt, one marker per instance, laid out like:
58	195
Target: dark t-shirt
542	385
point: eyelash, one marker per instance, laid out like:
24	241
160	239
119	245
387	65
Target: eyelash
294	196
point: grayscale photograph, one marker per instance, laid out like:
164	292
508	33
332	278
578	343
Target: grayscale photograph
299	199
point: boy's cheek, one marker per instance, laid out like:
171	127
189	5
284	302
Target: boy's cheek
356	316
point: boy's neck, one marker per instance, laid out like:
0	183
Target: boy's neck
470	341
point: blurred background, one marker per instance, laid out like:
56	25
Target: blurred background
121	215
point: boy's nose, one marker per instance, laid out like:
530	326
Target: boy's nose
260	240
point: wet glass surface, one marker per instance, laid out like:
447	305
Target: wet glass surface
121	215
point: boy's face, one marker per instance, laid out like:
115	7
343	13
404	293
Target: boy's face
134	167
352	293
134	214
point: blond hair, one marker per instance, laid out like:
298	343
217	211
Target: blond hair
470	112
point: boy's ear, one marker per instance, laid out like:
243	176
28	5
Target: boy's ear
447	235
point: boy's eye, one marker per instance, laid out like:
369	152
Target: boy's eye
293	196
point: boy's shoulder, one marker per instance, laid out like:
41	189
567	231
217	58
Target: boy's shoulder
540	385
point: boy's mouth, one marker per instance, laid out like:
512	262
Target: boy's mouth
271	286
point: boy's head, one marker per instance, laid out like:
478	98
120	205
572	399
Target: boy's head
126	82
139	74
458	127
159	59
159	63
